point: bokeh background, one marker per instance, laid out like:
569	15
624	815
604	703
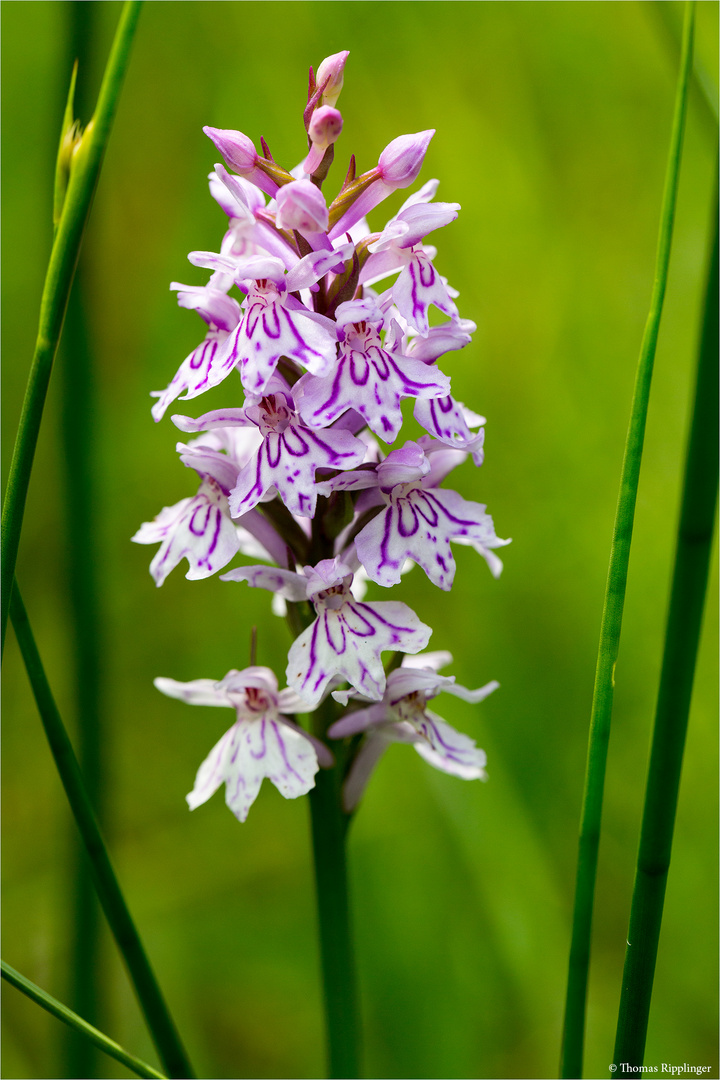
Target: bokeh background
553	122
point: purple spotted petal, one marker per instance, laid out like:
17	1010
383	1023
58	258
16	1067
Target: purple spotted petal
420	526
347	642
403	716
203	368
371	381
418	286
286	463
246	754
198	529
260	743
446	420
200	369
449	750
270	330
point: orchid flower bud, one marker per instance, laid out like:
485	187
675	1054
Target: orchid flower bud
240	154
325	126
401	160
398	166
301	206
237	149
332	66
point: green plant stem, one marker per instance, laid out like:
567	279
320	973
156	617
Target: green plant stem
682	635
701	82
141	1068
78	433
329	832
159	1021
85	169
574	1026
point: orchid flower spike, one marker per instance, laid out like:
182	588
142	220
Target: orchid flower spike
304	474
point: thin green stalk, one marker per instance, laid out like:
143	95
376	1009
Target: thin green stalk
159	1021
574	1026
86	994
702	82
329	832
84	170
689	585
87	1031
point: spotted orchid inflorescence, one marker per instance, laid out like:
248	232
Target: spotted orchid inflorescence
294	475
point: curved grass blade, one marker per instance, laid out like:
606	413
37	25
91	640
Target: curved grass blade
152	1003
574	1027
689	585
86	161
46	1001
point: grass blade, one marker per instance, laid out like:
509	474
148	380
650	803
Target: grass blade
682	635
84	172
574	1027
46	1001
152	1003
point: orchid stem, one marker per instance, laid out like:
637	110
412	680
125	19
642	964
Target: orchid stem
575	1005
87	1031
84	171
329	834
152	1003
682	635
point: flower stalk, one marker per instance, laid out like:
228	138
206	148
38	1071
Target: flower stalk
329	825
589	842
84	164
682	635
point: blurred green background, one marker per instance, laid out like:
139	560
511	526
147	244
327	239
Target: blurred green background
553	122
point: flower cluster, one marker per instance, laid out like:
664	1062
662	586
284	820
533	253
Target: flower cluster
294	475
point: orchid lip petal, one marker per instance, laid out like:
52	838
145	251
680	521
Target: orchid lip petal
347	641
261	743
